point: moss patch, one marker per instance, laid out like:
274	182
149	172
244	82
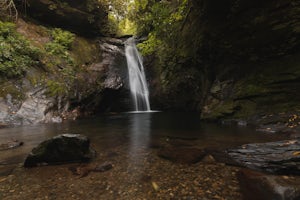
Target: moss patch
13	89
219	110
84	51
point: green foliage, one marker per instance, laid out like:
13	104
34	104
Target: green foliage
150	45
162	22
61	42
113	26
55	48
64	38
126	27
16	54
162	18
61	63
119	23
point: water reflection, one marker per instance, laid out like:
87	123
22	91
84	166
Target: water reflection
31	136
134	132
139	135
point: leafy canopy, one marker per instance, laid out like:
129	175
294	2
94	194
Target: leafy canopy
161	20
118	17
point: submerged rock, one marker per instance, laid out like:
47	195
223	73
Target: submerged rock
10	144
84	170
259	186
282	157
184	155
2	125
63	148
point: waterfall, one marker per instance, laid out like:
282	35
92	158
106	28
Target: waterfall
137	79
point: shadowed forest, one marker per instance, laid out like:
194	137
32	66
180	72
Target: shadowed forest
149	99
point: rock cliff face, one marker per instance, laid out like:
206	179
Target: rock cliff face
86	17
112	68
238	59
84	78
244	56
253	49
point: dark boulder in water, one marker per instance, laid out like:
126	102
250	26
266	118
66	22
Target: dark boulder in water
65	148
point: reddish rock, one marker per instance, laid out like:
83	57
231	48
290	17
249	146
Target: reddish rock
184	155
259	186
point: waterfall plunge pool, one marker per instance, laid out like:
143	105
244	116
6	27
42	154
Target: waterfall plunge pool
108	131
130	141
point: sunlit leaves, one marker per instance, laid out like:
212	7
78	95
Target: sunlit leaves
158	16
141	4
118	21
161	21
150	45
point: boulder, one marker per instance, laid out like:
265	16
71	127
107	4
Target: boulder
85	17
259	186
281	157
34	108
65	148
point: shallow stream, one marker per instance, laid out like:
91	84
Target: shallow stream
130	142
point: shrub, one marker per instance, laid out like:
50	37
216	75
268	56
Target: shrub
16	54
61	43
55	88
64	38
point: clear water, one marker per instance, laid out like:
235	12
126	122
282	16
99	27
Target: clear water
133	130
137	78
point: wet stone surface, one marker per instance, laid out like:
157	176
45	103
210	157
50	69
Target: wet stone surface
281	157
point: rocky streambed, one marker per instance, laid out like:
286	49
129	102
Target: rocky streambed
139	157
143	175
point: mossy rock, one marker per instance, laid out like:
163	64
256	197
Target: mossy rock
84	51
64	148
13	89
220	110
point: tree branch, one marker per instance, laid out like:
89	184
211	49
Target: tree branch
8	8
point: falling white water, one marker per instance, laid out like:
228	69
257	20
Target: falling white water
137	80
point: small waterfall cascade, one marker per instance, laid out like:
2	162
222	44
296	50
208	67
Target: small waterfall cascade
137	79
